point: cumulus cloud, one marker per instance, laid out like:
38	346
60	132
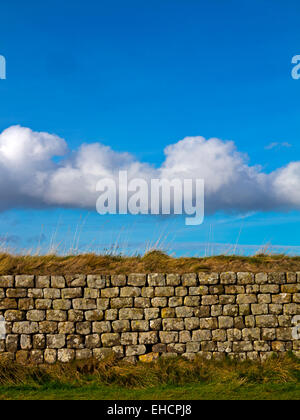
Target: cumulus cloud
31	175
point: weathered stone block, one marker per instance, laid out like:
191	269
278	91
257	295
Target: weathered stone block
261	278
83	354
78	280
173	324
184	312
111	314
48	327
168	313
58	282
260	309
266	321
43	304
55	315
245	278
156	279
129	338
155	324
52	293
225	322
275	309
121	326
198	291
270	288
192	301
167	337
228	278
65	355
6	281
92	341
84	304
135	350
11	343
94	315
110	292
201	335
91	293
8	303
208	323
83	328
110	339
62	304
25	327
150	337
246	299
101	327
66	327
42	282
291	309
231	310
14	293
75	315
103	303
36	315
141	302
208	278
140	325
166	291
152	313
251	334
39	342
138	280
97	282
129	292
24	281
276	278
25	342
134	313
102	353
56	341
50	356
118	280
148	292
181	291
216	310
173	280
159	302
189	280
14	315
219	335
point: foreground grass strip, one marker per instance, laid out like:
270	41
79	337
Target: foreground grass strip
277	378
289	391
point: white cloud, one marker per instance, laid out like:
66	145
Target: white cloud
31	177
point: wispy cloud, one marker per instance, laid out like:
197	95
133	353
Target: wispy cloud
277	145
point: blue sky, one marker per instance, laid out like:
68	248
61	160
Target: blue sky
139	76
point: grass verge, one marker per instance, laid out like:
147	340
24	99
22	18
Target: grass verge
169	379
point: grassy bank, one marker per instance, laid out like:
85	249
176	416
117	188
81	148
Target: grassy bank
154	261
277	378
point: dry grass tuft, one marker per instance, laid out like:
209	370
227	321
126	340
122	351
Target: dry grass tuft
155	261
161	372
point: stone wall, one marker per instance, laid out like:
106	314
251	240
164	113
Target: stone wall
62	318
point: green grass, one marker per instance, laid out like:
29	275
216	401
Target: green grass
235	391
165	379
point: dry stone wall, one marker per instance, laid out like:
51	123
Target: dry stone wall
61	318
